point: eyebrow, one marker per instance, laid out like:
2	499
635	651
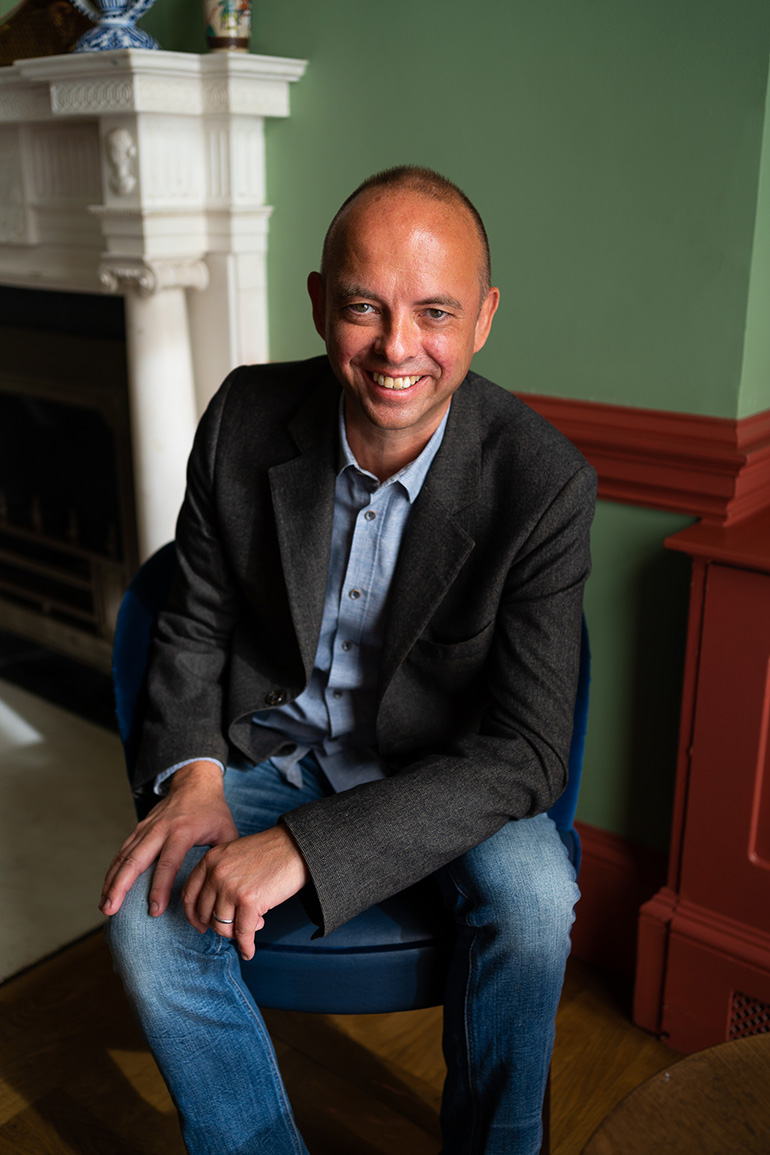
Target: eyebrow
346	291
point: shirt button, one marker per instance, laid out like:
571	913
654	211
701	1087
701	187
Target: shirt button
370	515
354	593
336	693
347	646
275	697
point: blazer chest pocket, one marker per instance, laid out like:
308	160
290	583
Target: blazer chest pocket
467	650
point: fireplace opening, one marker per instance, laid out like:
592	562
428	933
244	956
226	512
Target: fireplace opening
67	517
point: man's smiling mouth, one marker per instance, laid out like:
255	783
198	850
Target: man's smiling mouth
395	382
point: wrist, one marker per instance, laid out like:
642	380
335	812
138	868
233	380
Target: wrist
200	773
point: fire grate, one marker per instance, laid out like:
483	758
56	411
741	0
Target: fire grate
748	1016
67	520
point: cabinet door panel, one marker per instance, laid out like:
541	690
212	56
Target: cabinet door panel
726	859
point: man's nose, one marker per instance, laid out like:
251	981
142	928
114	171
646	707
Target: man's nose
397	341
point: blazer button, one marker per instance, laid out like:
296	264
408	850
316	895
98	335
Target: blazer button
275	698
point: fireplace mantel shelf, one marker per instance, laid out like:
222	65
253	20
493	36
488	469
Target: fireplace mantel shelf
143	173
137	80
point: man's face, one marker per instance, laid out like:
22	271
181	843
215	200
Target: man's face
401	312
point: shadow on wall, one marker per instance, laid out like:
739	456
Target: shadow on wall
662	600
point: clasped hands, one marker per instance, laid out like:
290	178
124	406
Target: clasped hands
238	878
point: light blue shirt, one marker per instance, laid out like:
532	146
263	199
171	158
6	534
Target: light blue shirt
335	715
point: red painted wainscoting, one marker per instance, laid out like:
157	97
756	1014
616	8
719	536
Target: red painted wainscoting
703	950
616	877
713	468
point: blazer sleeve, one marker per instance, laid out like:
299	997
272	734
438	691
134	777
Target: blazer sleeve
369	842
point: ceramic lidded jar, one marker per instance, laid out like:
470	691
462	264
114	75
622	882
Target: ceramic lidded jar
228	25
114	21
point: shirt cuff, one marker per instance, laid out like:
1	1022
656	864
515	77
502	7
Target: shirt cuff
160	786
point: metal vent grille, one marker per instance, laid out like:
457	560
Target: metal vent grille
748	1016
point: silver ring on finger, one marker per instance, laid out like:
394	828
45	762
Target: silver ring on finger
224	921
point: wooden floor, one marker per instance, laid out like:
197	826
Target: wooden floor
76	1077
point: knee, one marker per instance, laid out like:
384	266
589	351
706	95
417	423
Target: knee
159	960
136	940
537	920
519	897
140	942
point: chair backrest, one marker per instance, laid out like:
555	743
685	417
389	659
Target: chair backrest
145	597
563	811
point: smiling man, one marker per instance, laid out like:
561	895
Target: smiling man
365	676
403	302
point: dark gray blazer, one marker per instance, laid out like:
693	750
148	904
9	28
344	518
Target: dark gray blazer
479	665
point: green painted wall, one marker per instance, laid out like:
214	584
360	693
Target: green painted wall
754	393
613	148
636	608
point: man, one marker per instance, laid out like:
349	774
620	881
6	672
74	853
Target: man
375	628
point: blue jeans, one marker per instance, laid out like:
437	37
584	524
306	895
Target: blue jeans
512	898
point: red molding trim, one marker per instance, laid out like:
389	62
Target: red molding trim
616	877
709	467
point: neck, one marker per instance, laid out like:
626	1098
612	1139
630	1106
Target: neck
384	452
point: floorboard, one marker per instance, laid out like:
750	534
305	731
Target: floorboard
76	1077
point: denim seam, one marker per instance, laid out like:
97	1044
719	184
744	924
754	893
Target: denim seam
300	1146
470	979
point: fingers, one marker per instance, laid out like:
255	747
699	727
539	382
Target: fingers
209	906
136	854
190	896
169	865
176	824
206	894
240	879
218	920
240	926
245	930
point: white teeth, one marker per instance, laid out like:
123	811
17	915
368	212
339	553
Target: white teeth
394	382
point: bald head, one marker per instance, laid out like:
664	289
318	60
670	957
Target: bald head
409	178
402	308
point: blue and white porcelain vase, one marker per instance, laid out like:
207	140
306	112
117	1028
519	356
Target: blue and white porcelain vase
115	21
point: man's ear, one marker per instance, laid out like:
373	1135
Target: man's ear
315	288
484	322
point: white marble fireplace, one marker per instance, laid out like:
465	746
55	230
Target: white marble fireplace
143	174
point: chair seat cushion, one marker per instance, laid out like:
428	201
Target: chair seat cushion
391	957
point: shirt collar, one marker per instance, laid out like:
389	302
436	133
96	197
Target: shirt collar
412	476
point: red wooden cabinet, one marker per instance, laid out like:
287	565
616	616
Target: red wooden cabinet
703	962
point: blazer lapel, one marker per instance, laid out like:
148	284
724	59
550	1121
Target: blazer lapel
435	544
303	500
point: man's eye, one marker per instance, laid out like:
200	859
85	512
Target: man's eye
437	314
360	308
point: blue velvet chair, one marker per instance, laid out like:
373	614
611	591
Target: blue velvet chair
392	957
